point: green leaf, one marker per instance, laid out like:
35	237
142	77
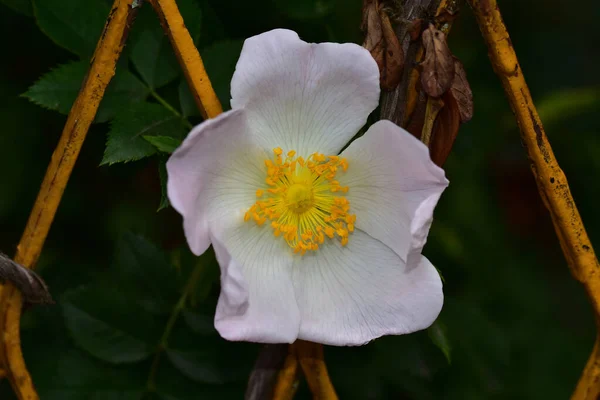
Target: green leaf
192	17
219	60
77	376
166	144
151	52
73	24
305	9
57	90
186	100
171	384
437	334
207	358
21	6
198	366
62	371
126	136
199	323
162	175
143	269
562	105
214	27
109	325
211	273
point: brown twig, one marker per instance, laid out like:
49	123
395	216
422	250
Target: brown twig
189	58
59	170
30	285
551	181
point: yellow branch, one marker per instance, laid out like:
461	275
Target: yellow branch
551	181
312	362
63	159
287	379
189	58
310	358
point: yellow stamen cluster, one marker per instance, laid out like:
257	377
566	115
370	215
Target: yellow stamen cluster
303	201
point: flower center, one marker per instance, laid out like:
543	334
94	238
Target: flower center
300	197
303	201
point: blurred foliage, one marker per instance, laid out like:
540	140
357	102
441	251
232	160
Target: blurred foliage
134	312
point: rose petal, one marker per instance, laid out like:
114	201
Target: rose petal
304	97
353	294
393	187
213	175
257	301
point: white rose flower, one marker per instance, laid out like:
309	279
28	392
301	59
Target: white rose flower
312	245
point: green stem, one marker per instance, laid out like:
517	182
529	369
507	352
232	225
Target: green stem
169	107
162	345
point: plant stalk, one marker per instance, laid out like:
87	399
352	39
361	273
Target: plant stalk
551	180
59	170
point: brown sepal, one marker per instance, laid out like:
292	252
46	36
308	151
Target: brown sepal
415	29
417	118
461	91
382	43
444	130
438	65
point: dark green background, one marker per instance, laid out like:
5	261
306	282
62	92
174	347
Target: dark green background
516	322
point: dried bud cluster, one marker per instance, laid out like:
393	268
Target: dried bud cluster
383	44
443	79
443	100
438	65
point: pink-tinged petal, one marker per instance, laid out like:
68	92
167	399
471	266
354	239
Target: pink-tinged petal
393	187
304	96
213	175
257	301
353	294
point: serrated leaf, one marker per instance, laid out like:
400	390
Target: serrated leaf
57	90
21	6
151	52
125	138
143	269
109	325
220	59
73	24
166	144
437	334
